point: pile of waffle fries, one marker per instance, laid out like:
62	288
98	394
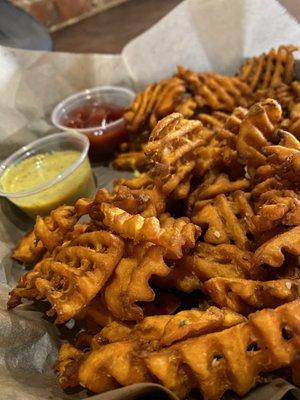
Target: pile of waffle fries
188	274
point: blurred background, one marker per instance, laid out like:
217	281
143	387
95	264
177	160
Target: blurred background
83	26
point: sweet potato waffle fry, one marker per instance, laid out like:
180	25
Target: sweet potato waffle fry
163	275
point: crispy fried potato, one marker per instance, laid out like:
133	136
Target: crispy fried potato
73	275
227	218
171	149
208	261
167	329
219	92
232	359
271	252
256	129
173	235
214	183
154	103
130	282
29	250
269	70
246	296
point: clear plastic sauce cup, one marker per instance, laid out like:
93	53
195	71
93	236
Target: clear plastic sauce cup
97	113
48	172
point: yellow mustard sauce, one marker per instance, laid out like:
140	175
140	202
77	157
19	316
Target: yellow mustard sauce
42	168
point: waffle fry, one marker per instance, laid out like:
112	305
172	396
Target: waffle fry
271	252
29	250
69	360
228	218
167	329
217	153
73	275
214	183
214	121
284	158
269	70
173	235
95	313
131	161
246	296
170	148
157	101
212	363
275	208
233	122
129	284
187	107
215	91
232	359
208	261
256	128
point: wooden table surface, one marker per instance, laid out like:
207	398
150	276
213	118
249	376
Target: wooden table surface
109	31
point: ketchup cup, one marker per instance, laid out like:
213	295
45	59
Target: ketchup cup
104	137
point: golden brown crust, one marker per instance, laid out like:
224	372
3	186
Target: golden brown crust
245	296
73	275
271	69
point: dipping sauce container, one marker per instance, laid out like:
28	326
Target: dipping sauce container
48	172
97	113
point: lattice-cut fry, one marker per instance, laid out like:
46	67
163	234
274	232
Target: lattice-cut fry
208	261
233	122
219	92
256	129
67	364
73	275
174	235
183	189
48	233
277	207
171	149
130	282
269	70
52	229
186	107
113	365
284	158
283	94
167	329
219	152
142	181
271	252
131	161
214	121
228	219
148	202
246	296
155	102
214	183
233	359
96	313
29	250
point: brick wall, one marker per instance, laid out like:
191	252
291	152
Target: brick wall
56	14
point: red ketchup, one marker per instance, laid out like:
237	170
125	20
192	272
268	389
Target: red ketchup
103	117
